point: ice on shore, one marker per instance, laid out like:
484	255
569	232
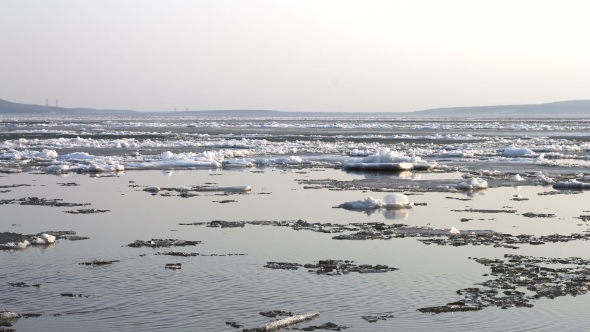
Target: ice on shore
391	201
473	184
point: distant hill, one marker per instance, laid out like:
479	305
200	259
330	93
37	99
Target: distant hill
556	109
7	107
572	108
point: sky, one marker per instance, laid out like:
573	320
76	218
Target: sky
307	56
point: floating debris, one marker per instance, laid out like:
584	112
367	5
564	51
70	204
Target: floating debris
485	211
282	265
69	184
284	322
96	262
22	284
275	313
86	211
226	201
173	266
538	215
332	267
77	295
373	319
559	192
40	202
326	326
10	240
6	315
517	271
158	243
233	324
178	253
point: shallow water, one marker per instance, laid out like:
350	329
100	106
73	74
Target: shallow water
139	294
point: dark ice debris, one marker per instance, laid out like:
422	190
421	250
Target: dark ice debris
23	284
583	217
158	243
96	262
373	319
326	326
15	186
282	265
234	325
178	253
173	266
40	202
301	225
485	211
538	215
559	192
68	294
516	273
31	315
332	267
69	184
86	211
275	313
459	199
226	201
6	237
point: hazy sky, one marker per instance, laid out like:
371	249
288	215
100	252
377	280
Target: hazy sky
378	56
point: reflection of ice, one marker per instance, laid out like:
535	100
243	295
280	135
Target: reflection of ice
472	194
395	214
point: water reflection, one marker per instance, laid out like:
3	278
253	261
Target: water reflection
389	214
367	174
395	214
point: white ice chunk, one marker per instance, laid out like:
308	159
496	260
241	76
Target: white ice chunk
57	169
454	231
286	322
48	238
235	188
391	201
6	315
517	178
396	201
473	184
23	245
154	189
518	152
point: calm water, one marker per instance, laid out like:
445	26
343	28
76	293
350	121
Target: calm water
139	294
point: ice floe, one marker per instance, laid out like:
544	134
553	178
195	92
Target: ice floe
391	201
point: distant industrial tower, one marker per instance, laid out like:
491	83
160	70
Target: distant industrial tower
56	103
174	109
187	109
46	102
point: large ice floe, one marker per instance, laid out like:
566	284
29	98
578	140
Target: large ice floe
391	201
388	160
